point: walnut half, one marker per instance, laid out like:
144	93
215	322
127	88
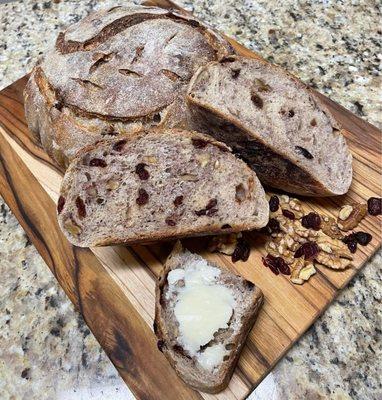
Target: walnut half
350	216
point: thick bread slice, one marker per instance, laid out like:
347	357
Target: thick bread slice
156	185
275	123
248	300
117	71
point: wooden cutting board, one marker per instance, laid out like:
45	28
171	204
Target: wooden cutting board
113	287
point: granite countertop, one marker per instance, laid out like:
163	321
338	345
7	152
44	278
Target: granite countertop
46	350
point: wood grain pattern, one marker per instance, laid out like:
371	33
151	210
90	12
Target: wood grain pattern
113	287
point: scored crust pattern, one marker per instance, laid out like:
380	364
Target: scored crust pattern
117	71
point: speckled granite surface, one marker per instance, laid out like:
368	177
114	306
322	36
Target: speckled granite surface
47	352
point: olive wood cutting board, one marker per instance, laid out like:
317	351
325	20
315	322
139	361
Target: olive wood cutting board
113	287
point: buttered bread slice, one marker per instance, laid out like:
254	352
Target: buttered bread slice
203	315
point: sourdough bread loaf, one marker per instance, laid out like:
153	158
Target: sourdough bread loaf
117	71
155	185
274	122
193	298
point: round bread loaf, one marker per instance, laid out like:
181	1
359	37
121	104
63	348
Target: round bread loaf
115	72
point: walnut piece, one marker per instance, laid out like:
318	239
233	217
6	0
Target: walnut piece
225	244
150	160
330	227
203	159
72	227
332	261
350	216
301	271
345	212
112	184
333	246
189	177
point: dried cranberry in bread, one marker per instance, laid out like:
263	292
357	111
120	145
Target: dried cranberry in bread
117	71
155	185
193	298
275	123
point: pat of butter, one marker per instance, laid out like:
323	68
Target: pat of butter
202	306
212	356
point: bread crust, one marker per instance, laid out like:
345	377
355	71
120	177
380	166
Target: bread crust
274	167
162	335
84	85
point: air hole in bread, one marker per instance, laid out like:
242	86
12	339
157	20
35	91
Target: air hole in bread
313	122
235	73
157	117
291	113
225	358
229	346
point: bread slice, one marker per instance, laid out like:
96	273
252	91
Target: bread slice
190	365
275	123
158	184
119	70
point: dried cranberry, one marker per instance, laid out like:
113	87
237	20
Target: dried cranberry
304	152
363	238
273	226
241	251
80	207
118	146
274	203
199	143
169	221
283	267
271	262
309	250
143	197
201	212
352	246
142	172
160	345
209	210
97	162
211	204
178	201
60	204
349	238
289	214
257	100
374	205
311	221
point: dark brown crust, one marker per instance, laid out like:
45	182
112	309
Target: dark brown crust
168	234
161	332
64	127
276	173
